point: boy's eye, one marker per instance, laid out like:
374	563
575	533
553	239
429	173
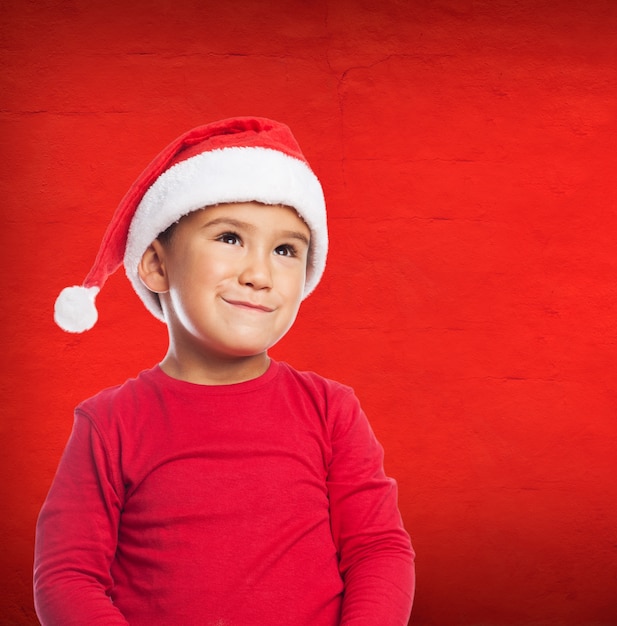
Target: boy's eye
229	238
285	250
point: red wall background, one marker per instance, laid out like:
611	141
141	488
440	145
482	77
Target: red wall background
468	153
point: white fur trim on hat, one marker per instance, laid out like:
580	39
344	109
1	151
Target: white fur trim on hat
235	174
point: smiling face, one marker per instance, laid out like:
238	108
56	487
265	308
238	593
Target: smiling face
230	279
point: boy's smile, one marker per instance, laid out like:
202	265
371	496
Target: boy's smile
231	280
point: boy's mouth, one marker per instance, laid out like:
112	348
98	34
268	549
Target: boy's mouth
249	305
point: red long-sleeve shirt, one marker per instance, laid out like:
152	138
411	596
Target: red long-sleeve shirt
258	503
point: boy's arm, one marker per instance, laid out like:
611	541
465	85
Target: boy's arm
76	536
376	557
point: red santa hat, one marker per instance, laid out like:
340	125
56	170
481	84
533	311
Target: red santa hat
235	160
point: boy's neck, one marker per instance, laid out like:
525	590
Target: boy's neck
216	371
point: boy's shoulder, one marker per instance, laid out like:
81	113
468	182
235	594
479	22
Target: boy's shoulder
131	392
327	394
314	381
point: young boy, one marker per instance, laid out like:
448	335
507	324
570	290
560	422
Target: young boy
220	487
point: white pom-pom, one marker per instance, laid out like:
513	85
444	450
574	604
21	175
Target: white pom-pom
75	310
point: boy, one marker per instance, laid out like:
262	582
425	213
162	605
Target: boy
220	487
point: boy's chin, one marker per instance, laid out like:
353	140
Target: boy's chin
250	349
248	353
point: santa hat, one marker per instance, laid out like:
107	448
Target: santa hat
235	160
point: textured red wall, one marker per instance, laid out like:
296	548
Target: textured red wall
467	149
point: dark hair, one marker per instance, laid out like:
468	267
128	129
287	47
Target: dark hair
166	236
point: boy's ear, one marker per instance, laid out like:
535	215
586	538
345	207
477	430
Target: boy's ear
151	268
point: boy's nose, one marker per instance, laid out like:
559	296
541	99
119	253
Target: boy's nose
256	272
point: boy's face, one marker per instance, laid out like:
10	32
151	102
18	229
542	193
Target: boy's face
233	278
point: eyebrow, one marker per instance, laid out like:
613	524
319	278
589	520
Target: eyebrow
230	221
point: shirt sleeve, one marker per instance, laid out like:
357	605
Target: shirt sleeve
375	554
76	535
